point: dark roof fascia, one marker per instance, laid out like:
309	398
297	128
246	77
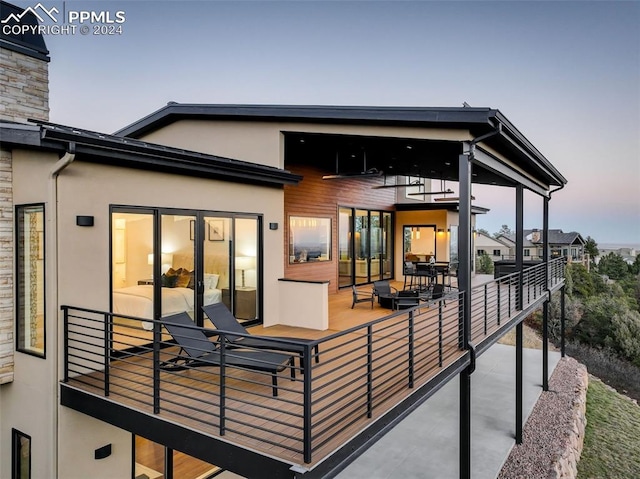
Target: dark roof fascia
116	151
463	117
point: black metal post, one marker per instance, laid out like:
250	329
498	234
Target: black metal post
306	443
545	346
562	318
65	315
519	345
107	353
465	424
223	384
545	308
157	337
486	305
369	371
168	463
440	341
411	349
465	171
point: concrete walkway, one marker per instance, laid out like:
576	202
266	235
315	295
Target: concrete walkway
425	444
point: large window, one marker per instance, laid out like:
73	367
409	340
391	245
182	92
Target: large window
21	455
30	293
309	239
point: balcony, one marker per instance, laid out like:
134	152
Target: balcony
368	373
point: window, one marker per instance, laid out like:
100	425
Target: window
30	280
309	239
481	252
527	252
20	455
496	252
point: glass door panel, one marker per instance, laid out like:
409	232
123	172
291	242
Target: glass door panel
132	276
362	251
375	246
345	247
246	277
387	246
151	460
177	264
216	261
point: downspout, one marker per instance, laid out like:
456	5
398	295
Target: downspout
52	287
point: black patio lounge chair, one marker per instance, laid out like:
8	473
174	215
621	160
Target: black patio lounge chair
385	292
223	320
360	296
196	350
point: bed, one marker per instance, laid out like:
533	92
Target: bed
137	301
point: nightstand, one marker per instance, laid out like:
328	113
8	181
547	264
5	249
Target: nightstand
245	302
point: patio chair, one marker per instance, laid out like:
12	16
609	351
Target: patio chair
223	320
196	350
360	296
406	299
385	293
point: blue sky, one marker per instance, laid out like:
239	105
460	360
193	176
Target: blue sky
567	74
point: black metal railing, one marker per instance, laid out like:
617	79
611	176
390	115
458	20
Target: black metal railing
335	386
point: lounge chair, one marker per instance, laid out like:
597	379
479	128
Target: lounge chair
360	296
223	320
196	350
385	292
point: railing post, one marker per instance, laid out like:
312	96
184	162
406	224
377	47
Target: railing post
65	341
156	366
519	382
223	384
369	371
410	349
306	443
440	342
107	353
545	346
499	284
485	309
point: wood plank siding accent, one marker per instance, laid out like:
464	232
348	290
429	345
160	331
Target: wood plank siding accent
314	196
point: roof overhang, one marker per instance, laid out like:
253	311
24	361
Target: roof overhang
531	168
129	153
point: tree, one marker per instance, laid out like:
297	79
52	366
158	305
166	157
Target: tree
613	266
591	247
504	230
578	281
483	231
485	264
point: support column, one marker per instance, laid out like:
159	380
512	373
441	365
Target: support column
519	303
545	306
464	285
562	318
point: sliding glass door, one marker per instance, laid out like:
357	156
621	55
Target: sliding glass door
365	246
169	261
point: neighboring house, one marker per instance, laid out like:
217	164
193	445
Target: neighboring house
628	253
567	245
271	210
492	247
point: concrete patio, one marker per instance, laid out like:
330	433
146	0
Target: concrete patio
425	444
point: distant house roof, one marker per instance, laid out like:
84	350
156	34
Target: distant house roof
485	240
508	140
556	237
130	153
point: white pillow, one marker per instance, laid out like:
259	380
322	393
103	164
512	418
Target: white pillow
211	280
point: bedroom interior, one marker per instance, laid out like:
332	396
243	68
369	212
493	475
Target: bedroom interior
221	239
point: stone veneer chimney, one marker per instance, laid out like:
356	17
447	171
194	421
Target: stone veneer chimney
24	94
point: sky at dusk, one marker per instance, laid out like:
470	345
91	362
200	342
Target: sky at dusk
567	74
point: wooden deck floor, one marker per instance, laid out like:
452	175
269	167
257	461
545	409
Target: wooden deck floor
274	425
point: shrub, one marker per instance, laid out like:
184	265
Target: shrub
485	264
626	335
596	328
